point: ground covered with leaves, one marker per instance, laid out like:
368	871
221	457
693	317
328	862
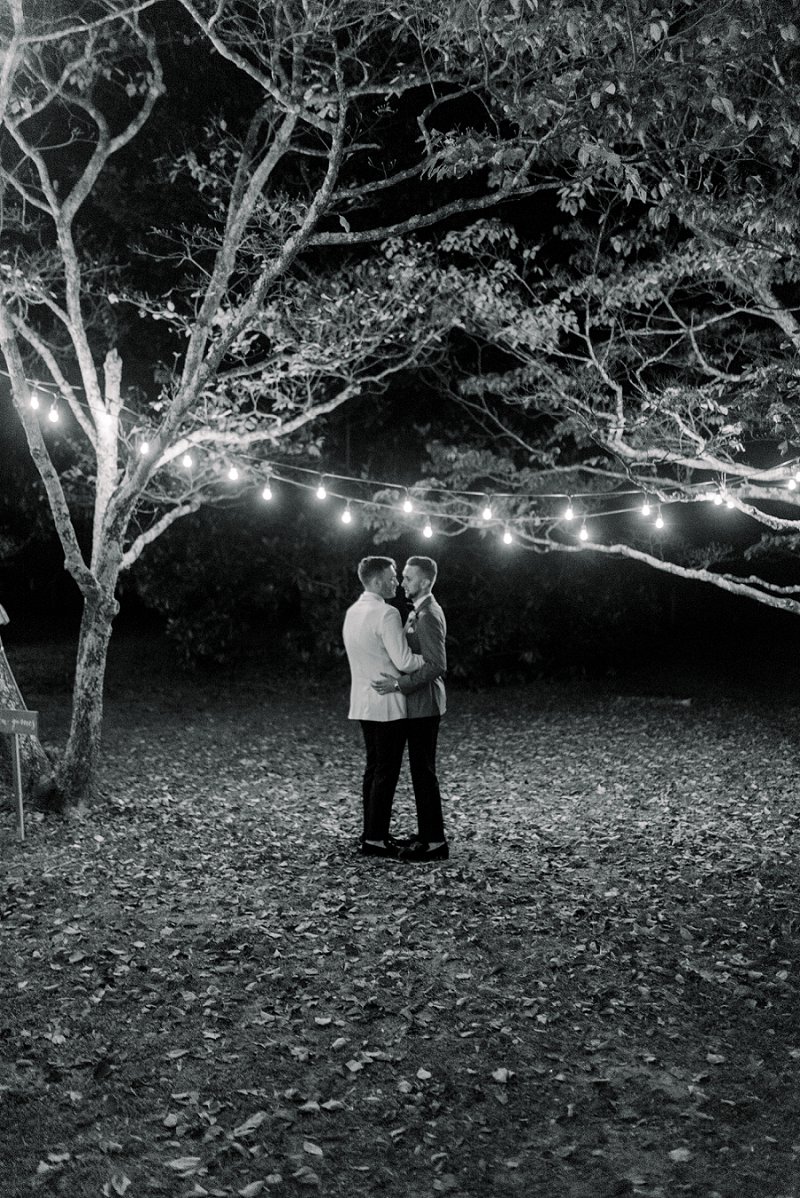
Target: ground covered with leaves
206	991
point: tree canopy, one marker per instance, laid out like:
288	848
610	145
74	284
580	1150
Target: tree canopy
643	351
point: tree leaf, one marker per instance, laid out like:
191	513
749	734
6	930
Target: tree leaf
249	1126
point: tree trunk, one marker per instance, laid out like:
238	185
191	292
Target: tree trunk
77	769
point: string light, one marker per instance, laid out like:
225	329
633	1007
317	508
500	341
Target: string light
465	517
39	393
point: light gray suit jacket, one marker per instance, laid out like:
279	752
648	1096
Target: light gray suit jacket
375	645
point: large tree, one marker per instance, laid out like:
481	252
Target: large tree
326	117
207	295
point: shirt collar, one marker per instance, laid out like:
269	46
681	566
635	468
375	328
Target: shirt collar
370	597
419	602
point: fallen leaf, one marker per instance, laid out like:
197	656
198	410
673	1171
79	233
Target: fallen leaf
250	1125
306	1176
185	1164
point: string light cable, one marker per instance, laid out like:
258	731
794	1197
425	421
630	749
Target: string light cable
463	508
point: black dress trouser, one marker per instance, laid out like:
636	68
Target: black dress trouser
384	741
422	734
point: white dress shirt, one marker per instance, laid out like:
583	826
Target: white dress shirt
376	644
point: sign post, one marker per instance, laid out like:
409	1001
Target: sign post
16	724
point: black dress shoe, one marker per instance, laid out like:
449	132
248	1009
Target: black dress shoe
402	842
380	850
421	852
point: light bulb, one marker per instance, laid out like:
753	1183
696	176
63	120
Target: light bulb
717	499
408	506
792	484
584	533
233	474
730	503
507	537
321	492
186	460
52	415
659	521
486	514
645	508
266	494
346	516
144	448
569	511
34	400
427	530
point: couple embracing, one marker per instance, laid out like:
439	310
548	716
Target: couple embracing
397	694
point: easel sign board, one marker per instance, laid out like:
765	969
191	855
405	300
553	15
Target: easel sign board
17	724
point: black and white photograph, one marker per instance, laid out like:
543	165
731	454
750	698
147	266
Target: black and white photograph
399	598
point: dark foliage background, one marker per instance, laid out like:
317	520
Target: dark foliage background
227	583
276	579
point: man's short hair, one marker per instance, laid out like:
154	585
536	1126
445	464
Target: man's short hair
370	567
426	566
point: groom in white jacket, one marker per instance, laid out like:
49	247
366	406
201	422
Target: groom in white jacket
376	644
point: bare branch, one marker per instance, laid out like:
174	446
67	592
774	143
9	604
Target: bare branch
73	556
137	547
427	219
37	343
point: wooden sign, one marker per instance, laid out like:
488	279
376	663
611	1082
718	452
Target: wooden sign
17	724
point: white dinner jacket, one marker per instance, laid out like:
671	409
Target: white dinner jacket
376	644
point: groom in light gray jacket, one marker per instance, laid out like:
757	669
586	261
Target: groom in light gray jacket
376	645
426	633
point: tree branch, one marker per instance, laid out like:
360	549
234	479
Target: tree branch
73	556
134	551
